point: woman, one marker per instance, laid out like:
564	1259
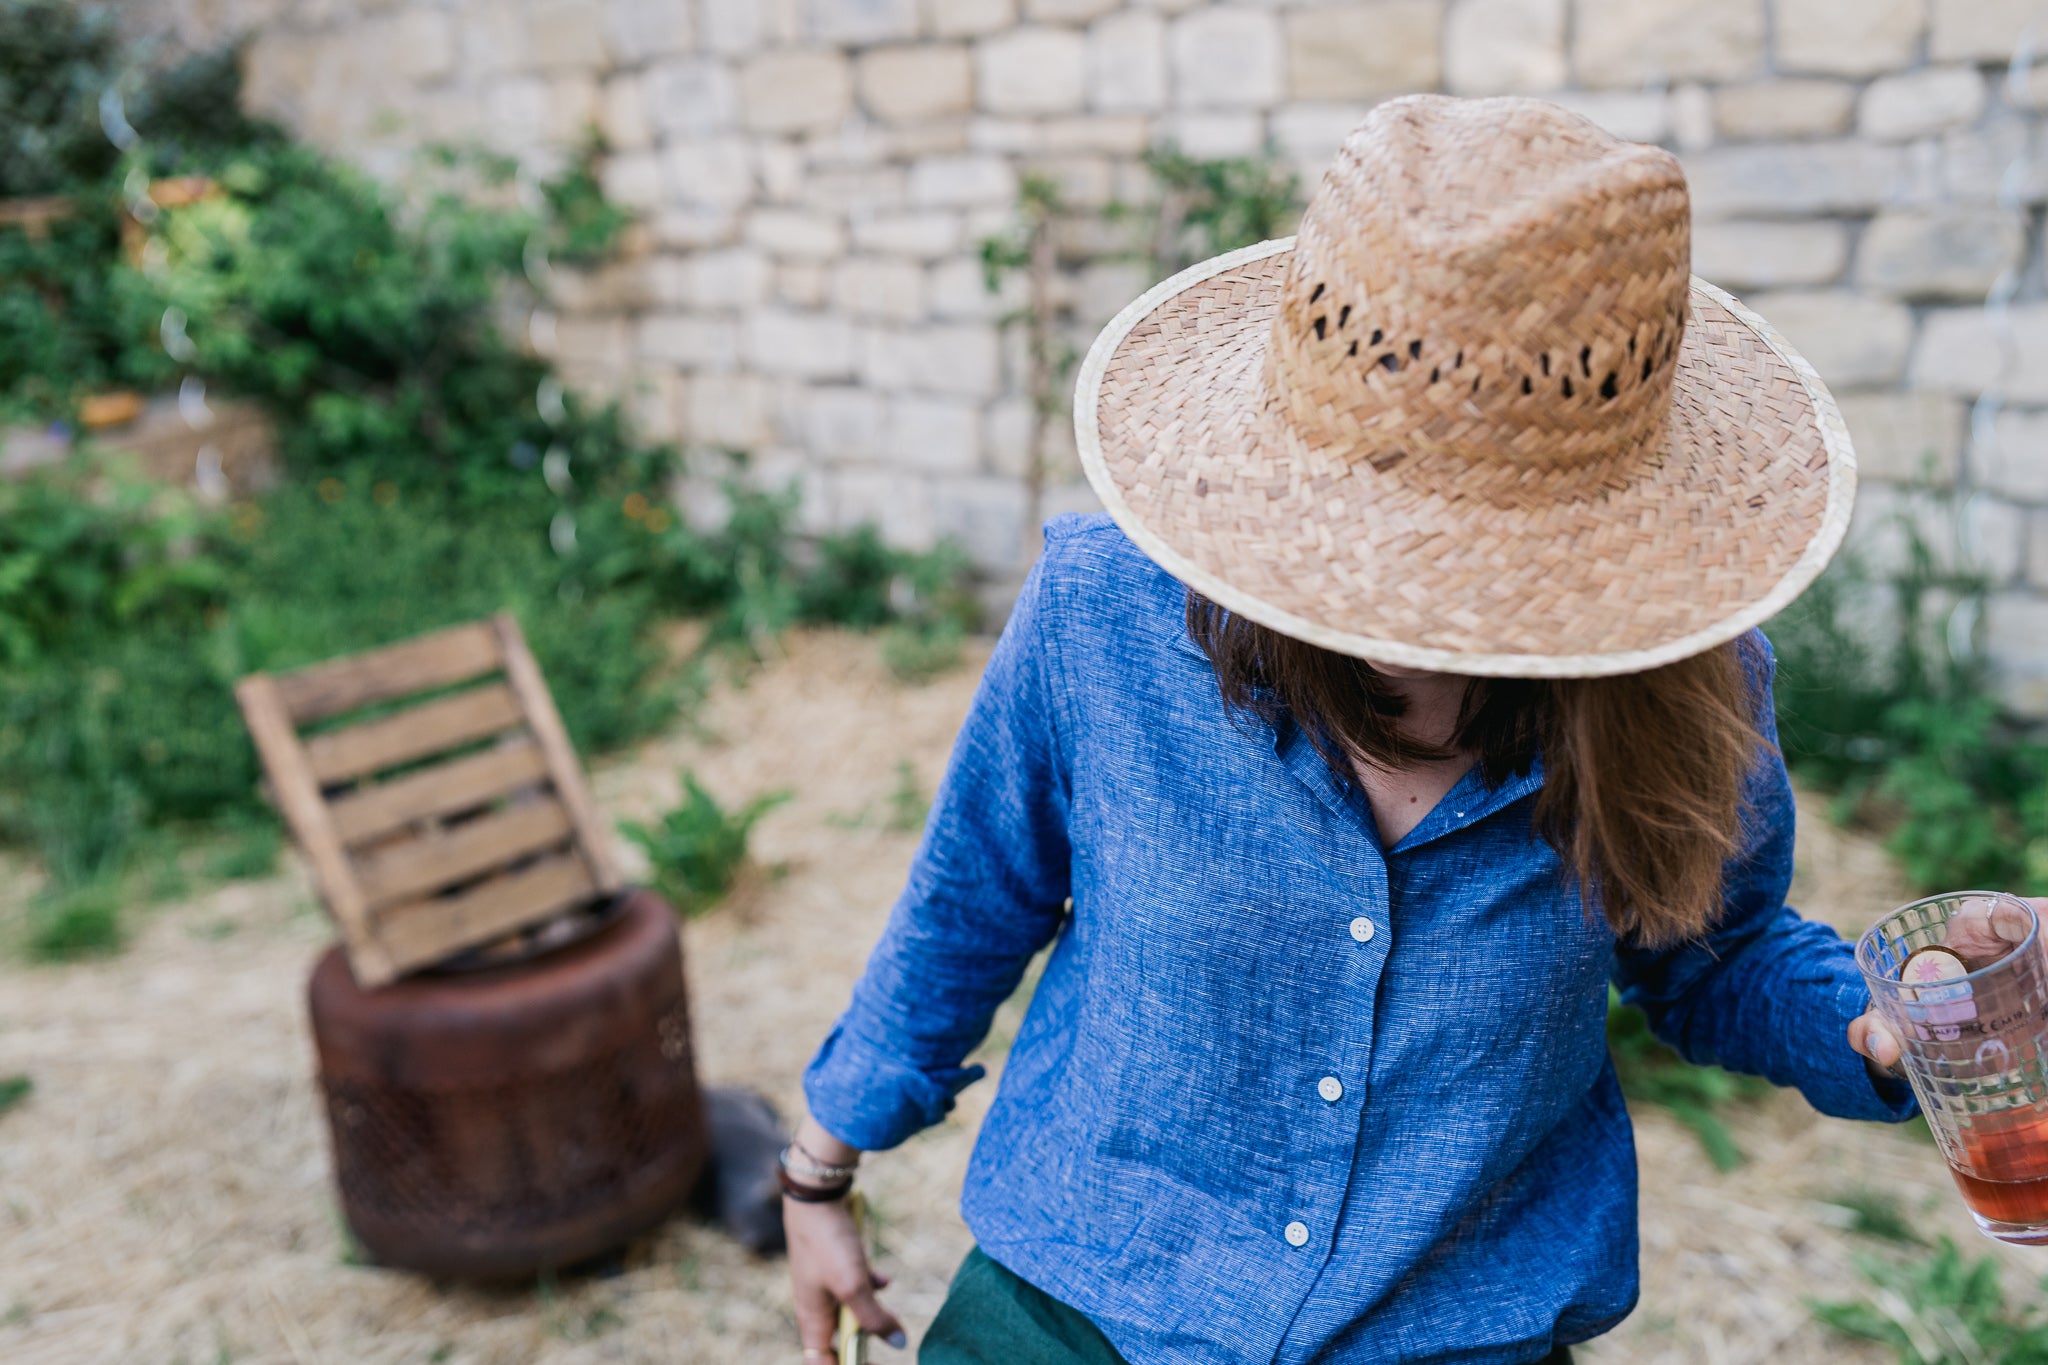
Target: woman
1409	691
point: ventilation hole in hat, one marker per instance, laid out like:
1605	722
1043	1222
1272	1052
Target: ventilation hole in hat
1435	374
1377	337
1343	316
1546	364
1201	488
1459	363
1759	501
1354	347
1648	365
1390	361
1318	294
1387	461
1586	360
1415	350
1322	326
1475	382
1631	348
1608	387
1567	386
1527	387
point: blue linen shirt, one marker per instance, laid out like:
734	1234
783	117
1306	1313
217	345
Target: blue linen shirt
1283	1095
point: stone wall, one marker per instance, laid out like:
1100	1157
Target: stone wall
814	178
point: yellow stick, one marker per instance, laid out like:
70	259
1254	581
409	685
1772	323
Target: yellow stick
851	1343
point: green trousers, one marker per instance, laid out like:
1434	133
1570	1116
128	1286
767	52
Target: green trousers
991	1317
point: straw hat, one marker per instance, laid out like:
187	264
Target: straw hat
1477	417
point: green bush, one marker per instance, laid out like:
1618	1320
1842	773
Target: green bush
70	923
13	1090
1941	1309
698	847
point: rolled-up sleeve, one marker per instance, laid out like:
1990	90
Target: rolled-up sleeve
985	892
1767	992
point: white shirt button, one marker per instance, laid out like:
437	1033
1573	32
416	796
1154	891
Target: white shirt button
1361	929
1296	1234
1330	1088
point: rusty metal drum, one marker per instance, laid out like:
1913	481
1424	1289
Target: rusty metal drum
496	1123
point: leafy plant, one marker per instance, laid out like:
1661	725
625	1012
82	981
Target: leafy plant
1874	1213
13	1090
907	803
1208	207
1653	1074
1941	1309
69	923
698	847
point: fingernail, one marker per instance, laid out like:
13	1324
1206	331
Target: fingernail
897	1339
2011	928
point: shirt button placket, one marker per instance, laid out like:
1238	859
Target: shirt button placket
1362	929
1296	1234
1330	1088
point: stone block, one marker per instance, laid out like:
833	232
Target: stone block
923	235
691	98
1209	135
859	21
879	287
689	227
423	44
1784	109
1999	163
1912	438
962	182
958	291
1940	254
730	410
1365	50
519	113
1748	255
1504	47
1638	42
1976	534
940	434
2013	462
1634	115
984	516
1970	351
632	180
970	18
737	277
793	234
1917	103
803	284
1032	71
1227	57
795	91
1082	182
623	115
638	31
801	345
573	104
687	340
1104	288
563	35
1006	427
1982	30
1852	340
735	27
905	84
655	404
1849	37
1127	63
896	502
2016	637
1310	135
593	342
1692	117
844	424
1068	11
1787	180
958	359
714	171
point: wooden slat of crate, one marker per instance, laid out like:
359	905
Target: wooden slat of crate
432	862
420	732
297	792
523	675
464	784
420	932
442	659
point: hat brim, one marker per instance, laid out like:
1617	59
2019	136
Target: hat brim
1740	505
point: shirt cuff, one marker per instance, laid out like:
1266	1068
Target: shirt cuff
871	1100
1841	1085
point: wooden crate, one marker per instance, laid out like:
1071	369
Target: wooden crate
439	826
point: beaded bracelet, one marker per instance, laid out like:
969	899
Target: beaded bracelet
801	1163
812	1194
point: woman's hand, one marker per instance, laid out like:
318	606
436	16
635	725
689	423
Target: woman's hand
828	1265
1979	938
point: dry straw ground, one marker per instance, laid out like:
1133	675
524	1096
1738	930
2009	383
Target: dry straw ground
164	1194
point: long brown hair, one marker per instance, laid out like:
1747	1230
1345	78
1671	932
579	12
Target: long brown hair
1643	774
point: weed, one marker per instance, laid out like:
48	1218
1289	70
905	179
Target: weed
917	654
69	923
698	847
1941	1309
1874	1213
907	804
1654	1074
249	851
13	1090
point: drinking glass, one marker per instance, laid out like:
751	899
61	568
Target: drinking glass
1971	1017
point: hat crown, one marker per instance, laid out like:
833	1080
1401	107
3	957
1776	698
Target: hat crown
1499	281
